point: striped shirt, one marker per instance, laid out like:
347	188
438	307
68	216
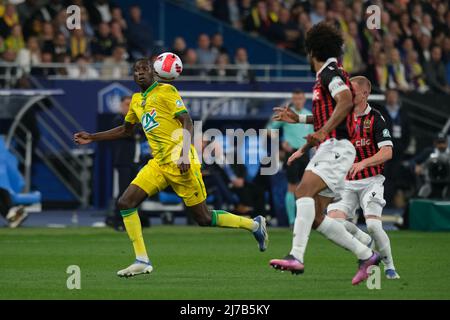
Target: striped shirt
370	135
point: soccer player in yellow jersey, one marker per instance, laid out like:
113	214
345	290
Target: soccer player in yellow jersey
164	118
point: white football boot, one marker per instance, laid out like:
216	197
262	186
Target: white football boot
138	267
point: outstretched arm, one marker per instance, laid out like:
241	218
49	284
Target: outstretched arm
123	131
286	114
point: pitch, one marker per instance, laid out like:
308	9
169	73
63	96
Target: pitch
199	263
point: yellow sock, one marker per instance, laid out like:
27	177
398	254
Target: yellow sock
225	219
134	230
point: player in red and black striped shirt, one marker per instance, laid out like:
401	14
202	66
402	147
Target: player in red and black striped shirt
364	186
324	177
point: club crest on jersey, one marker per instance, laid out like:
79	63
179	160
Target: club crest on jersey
148	121
366	125
179	103
316	94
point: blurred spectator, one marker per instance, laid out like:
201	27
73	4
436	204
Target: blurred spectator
46	57
139	35
285	32
190	59
179	47
378	72
217	46
60	24
399	127
79	43
82	70
435	72
99	11
293	139
117	17
397	73
352	60
319	12
221	71
46	37
29	56
15	40
85	23
9	20
205	56
415	73
117	35
228	11
102	44
59	45
425	46
116	66
243	72
259	20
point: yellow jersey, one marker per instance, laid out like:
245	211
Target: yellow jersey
156	109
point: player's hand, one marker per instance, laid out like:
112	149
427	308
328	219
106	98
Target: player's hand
297	154
285	114
184	164
315	138
357	167
82	137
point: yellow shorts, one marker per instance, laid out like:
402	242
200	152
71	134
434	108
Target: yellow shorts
189	186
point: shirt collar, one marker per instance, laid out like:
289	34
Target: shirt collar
329	60
146	92
366	111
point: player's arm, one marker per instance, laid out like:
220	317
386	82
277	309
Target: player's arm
123	131
383	155
286	114
188	136
341	93
383	139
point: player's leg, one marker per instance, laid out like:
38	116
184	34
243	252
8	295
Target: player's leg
191	188
373	203
345	209
147	183
341	217
224	219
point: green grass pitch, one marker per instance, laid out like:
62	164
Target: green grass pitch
209	263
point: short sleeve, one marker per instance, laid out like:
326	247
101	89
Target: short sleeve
333	80
381	132
174	101
131	116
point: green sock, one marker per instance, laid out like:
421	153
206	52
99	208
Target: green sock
290	207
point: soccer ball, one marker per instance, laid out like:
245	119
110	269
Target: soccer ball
168	66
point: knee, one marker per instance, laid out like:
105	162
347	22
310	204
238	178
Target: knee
124	204
374	225
304	191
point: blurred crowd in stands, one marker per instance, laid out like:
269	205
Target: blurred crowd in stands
411	50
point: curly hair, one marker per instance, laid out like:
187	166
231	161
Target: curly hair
324	41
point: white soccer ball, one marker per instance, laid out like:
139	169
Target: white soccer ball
168	66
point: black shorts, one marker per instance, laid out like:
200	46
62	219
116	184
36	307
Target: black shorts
295	171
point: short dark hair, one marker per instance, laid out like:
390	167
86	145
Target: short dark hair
124	98
144	60
324	41
298	91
